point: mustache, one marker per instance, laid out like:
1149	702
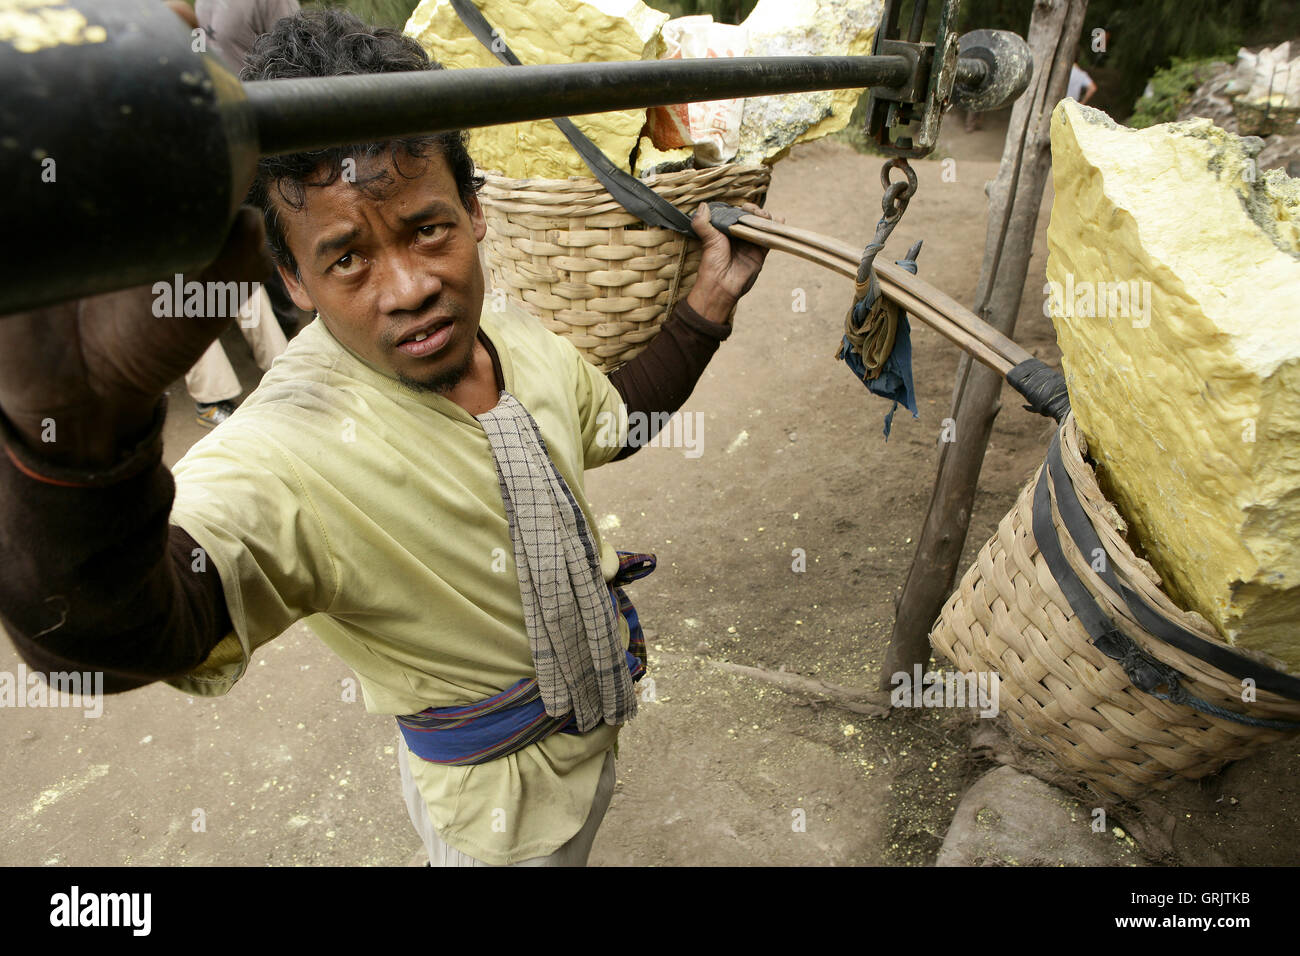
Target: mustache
395	332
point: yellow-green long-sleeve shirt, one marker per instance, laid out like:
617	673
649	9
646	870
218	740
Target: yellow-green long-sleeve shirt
336	495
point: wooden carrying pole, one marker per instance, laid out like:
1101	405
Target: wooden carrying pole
922	301
1014	199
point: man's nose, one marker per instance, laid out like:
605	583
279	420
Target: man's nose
408	284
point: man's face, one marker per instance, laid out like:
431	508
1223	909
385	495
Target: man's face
384	272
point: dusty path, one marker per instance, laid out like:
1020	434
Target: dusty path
284	770
716	771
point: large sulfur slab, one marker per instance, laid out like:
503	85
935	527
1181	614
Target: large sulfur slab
1174	284
546	31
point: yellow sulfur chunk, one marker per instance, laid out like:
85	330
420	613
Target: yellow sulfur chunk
33	25
772	124
1174	284
648	157
546	31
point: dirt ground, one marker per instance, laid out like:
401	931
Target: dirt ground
717	769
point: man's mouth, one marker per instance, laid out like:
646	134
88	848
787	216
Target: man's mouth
427	339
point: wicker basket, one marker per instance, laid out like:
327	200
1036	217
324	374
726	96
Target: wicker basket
1062	695
591	271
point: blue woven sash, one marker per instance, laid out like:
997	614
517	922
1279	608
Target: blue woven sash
515	718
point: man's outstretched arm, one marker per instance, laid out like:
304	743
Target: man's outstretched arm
95	578
92	574
662	376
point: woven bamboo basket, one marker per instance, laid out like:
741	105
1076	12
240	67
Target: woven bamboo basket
572	256
1062	695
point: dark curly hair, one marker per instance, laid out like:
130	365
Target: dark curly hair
333	42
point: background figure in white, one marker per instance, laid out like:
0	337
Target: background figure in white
212	382
232	27
1080	86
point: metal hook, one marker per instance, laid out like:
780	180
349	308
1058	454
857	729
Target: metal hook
897	194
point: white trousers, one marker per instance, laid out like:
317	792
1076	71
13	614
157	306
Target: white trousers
573	853
212	378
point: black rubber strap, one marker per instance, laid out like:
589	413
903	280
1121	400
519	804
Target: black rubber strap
632	194
724	216
1089	543
1144	671
1043	386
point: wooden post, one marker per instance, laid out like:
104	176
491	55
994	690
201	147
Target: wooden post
1013	218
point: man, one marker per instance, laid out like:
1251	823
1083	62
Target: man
230	29
212	381
408	478
233	26
1080	85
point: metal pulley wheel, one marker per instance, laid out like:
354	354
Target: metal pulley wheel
1009	67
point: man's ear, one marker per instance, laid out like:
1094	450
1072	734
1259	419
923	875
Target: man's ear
476	218
296	290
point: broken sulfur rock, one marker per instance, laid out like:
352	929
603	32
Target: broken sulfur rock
753	130
1174	284
546	31
772	124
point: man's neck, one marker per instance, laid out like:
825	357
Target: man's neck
480	389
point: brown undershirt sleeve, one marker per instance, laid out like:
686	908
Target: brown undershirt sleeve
663	375
94	575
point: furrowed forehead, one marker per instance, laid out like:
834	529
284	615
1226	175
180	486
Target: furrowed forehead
377	172
312	211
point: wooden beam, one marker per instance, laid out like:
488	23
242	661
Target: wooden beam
1013	218
923	301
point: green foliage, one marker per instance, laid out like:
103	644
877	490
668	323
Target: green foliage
1010	15
1151	35
1171	88
1147	36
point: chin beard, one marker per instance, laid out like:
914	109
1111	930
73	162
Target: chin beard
442	382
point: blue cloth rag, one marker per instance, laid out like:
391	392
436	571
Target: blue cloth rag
895	378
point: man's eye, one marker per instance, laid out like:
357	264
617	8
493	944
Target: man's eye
347	265
434	231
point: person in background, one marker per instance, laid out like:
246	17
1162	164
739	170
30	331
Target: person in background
212	382
230	28
1080	86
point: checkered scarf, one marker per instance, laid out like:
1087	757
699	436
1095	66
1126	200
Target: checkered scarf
572	622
